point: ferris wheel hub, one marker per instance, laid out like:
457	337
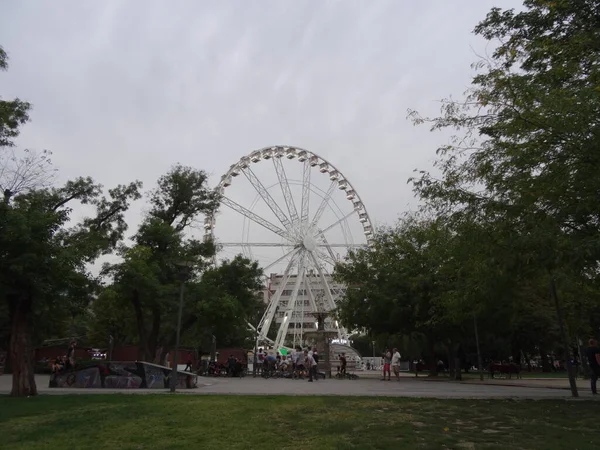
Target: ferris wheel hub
309	243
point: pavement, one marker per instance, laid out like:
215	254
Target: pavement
366	386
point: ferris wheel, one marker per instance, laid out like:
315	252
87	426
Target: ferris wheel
297	226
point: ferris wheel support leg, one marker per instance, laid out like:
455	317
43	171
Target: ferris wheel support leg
291	306
326	286
267	319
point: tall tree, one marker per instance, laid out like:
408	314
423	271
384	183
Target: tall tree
528	153
43	258
147	279
227	301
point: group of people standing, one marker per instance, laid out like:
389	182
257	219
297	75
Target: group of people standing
391	361
298	360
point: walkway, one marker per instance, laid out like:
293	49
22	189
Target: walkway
406	387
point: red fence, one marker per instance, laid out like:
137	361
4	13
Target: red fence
132	353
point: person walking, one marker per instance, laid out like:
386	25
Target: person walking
593	357
387	361
260	360
396	363
312	366
70	364
188	364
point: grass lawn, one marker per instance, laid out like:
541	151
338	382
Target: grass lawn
253	422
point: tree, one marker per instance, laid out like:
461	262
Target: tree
13	113
527	156
43	258
108	322
147	280
405	283
227	301
22	173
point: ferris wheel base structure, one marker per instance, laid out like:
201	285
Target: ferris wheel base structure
305	287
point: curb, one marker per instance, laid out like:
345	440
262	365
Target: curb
487	383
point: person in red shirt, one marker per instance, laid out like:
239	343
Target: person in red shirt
188	364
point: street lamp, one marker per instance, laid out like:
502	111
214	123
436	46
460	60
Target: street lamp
185	268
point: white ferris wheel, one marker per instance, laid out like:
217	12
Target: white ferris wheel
297	215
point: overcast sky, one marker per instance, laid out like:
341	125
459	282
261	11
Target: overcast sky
124	89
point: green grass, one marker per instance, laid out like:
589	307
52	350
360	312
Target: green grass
271	422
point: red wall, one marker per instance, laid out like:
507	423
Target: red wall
59	350
131	353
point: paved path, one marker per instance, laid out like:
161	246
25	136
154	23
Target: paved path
406	387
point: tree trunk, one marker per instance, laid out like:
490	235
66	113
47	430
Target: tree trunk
479	359
432	359
139	320
21	353
565	338
153	335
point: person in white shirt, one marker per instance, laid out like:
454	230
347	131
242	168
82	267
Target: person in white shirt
312	366
396	363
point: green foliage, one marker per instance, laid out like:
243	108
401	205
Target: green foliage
43	276
13	113
520	181
227	301
108	317
145	285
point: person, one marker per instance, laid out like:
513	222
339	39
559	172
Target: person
292	359
387	361
58	364
343	365
593	357
260	359
284	364
71	356
396	363
312	366
230	365
188	364
299	363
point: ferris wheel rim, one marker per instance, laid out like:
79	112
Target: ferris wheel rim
300	231
280	151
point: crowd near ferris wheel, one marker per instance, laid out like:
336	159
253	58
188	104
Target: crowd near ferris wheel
297	215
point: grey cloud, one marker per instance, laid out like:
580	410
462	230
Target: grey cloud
124	89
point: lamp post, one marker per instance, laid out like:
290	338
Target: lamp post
184	274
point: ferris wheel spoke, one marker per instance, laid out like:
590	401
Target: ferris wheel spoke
324	203
324	256
253	244
285	189
323	279
264	193
253	217
305	193
288	254
327	246
347	216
